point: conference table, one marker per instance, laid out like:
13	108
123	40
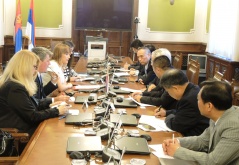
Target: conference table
48	143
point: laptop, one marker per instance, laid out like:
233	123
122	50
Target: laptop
82	99
122	79
128	120
125	103
81	118
87	143
94	72
133	145
119	91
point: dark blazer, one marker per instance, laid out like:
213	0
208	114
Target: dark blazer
156	82
49	88
42	92
150	73
159	98
218	144
186	117
18	110
42	101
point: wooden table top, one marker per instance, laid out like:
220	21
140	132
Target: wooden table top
48	143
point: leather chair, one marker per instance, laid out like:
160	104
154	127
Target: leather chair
1	69
192	72
53	44
178	61
18	138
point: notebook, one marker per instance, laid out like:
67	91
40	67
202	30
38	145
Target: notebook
87	143
128	120
79	119
133	145
125	103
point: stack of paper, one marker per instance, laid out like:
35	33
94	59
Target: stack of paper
157	123
140	104
168	160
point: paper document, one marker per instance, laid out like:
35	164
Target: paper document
140	104
85	79
168	160
130	90
157	123
82	75
86	87
123	70
121	74
158	151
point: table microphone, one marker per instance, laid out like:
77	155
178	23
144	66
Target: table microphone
108	152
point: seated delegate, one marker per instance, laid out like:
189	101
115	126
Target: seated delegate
218	144
146	73
160	64
186	117
17	87
60	58
44	54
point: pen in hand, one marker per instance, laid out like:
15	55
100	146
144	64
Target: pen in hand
159	108
157	112
173	138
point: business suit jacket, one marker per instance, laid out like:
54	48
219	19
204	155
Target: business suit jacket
218	144
161	98
186	117
156	82
18	110
40	95
150	73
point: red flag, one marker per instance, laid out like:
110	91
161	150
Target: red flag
18	28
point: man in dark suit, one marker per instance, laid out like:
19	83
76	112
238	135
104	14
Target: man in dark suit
218	144
186	117
160	97
45	55
146	73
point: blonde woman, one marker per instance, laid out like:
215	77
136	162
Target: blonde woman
19	109
60	58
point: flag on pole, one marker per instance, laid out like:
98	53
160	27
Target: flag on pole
18	28
30	28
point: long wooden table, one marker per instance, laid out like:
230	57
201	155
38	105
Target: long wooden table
48	143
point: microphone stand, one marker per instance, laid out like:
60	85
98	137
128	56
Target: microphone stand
108	152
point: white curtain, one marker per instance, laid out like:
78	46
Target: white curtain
1	23
224	29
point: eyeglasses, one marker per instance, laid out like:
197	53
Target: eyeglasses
35	66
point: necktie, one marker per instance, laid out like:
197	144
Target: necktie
41	86
145	70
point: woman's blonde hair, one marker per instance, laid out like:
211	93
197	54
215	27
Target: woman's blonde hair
19	69
58	51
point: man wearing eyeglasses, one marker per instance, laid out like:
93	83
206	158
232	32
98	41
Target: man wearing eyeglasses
146	73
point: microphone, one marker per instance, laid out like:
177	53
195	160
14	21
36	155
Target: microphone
123	151
108	152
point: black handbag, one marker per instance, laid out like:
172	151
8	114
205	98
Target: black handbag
7	147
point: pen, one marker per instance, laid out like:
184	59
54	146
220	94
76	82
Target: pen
62	117
159	108
173	138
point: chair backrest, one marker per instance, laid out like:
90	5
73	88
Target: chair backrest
193	71
18	138
218	75
1	69
53	44
178	61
